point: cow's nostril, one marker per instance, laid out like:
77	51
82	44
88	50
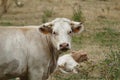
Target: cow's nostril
67	45
60	45
64	45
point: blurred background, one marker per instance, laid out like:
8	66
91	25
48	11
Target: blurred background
100	39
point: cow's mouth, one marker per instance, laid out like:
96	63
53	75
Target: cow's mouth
64	49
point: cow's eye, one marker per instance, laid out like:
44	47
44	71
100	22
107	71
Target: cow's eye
55	33
69	32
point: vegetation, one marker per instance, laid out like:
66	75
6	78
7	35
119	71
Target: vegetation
110	69
6	24
47	13
77	14
108	37
100	39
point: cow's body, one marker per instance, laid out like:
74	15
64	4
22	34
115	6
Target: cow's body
23	47
66	64
31	53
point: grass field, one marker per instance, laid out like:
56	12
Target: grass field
100	39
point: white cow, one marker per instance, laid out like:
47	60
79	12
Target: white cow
68	63
31	53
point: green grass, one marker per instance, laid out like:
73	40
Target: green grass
6	24
104	21
70	77
77	39
110	67
44	19
77	14
47	13
108	37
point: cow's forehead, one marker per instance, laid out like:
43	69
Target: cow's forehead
61	20
61	24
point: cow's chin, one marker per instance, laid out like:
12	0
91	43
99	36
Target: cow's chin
64	49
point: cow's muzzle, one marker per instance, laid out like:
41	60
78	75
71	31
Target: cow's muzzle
64	47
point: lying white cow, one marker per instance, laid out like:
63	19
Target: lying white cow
31	53
68	62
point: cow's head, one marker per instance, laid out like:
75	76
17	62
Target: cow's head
61	30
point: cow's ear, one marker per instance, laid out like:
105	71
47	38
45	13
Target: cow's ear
77	27
46	29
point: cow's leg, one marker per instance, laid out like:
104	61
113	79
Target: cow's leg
24	77
37	74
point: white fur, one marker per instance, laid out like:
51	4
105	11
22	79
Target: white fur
62	26
68	62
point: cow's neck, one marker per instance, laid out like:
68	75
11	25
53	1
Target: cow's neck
54	54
